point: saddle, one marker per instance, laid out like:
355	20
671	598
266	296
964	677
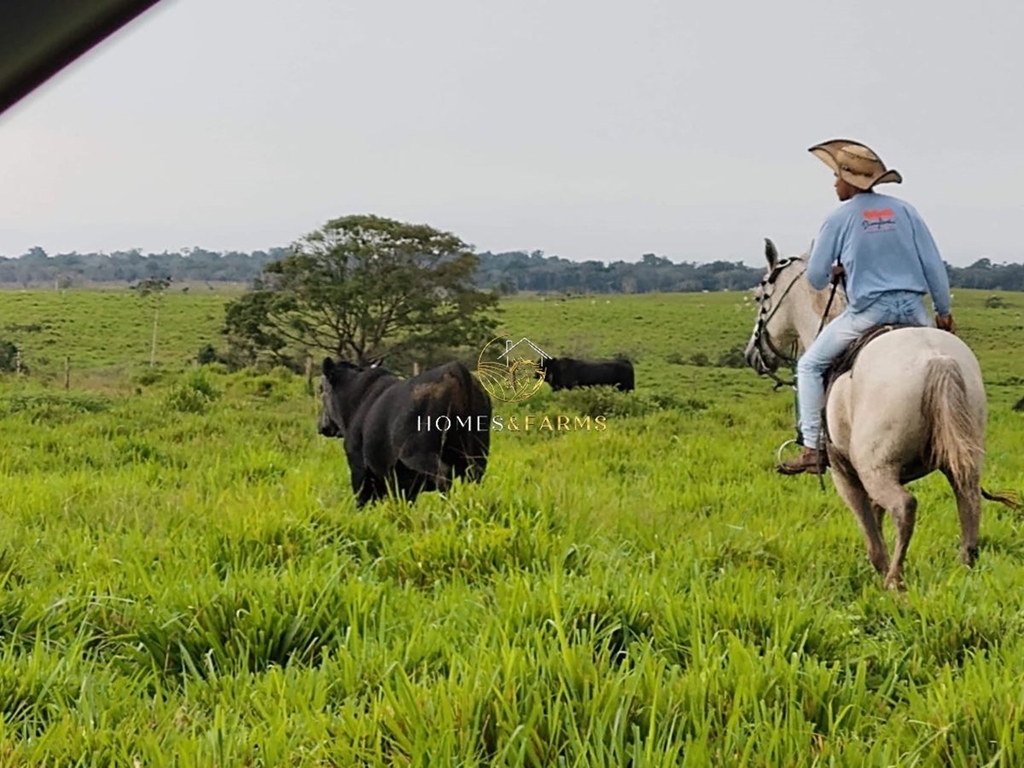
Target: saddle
844	363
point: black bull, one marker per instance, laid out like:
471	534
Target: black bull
567	373
390	427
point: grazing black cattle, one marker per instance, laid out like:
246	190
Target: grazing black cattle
1020	405
391	431
567	373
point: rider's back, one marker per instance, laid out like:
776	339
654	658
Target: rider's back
884	245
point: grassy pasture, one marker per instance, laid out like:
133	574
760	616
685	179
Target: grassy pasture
184	579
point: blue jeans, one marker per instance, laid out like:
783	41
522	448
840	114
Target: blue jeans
894	307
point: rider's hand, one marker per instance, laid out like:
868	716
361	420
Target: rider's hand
838	273
945	323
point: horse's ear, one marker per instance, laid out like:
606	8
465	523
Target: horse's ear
771	253
327	367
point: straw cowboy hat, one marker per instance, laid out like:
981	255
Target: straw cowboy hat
855	163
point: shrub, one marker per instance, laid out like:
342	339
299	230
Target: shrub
732	358
608	401
193	395
8	356
208	355
149	377
53	408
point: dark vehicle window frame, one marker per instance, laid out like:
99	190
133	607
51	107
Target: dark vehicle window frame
39	38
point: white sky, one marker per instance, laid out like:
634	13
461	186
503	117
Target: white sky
586	129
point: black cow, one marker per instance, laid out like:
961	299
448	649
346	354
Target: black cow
391	431
568	373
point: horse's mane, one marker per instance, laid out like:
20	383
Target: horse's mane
820	299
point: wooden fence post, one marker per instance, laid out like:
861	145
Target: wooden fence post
309	374
67	372
152	351
415	368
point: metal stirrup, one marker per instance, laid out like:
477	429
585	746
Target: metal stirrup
778	453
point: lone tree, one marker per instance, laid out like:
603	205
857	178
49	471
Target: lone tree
364	287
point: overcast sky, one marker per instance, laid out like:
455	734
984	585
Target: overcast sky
586	129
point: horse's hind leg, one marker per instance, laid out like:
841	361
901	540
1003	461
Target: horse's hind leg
879	511
853	493
885	491
968	504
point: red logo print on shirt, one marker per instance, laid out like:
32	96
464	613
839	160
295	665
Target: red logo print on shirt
878	220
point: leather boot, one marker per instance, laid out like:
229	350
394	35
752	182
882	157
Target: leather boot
811	461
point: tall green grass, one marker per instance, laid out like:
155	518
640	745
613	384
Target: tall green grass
184	578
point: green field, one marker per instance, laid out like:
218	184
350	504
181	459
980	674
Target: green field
185	579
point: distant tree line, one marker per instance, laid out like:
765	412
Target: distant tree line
190	264
508	272
516	271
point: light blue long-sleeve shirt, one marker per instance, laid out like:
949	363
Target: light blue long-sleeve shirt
884	245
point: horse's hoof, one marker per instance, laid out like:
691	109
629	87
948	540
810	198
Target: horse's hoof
895	583
969	557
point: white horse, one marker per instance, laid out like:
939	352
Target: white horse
913	403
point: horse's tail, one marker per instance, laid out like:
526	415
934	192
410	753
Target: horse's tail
1009	499
956	439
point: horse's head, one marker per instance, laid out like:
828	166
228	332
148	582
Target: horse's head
776	327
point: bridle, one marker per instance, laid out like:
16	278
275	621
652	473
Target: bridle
762	339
